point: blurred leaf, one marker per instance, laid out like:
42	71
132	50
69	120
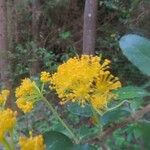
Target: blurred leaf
113	116
56	141
130	92
65	35
57	126
86	132
83	147
135	104
137	50
137	132
120	140
145	131
76	109
42	126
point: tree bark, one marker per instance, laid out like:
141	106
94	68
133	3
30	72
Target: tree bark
3	43
11	19
15	16
35	36
5	71
89	28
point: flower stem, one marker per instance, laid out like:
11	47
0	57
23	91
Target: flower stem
76	140
6	144
12	141
42	87
113	108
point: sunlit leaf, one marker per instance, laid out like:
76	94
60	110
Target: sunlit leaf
137	50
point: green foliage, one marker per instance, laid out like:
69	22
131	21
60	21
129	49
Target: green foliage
57	141
65	35
124	9
144	129
114	115
56	3
86	132
131	92
76	109
136	49
131	137
58	36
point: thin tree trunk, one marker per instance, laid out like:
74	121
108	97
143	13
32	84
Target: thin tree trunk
15	14
10	25
5	71
89	29
3	43
35	35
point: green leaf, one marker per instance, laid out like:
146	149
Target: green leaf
58	127
113	116
135	104
83	147
145	131
86	132
76	109
119	141
130	92
57	141
65	35
137	50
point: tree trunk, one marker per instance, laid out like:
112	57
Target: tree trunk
5	71
35	36
15	17
3	43
89	29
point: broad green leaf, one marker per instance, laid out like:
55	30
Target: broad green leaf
86	132
76	109
58	127
137	50
113	116
83	147
56	141
130	92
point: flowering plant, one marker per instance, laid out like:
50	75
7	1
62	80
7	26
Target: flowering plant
84	80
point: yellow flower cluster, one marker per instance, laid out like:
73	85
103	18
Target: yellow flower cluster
7	122
85	80
45	76
26	95
32	143
3	96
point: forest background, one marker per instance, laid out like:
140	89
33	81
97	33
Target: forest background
39	35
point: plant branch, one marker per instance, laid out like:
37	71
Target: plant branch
131	119
76	140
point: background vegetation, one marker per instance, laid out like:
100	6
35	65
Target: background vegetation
42	34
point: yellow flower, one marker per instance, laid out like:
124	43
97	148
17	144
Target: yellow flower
45	76
32	143
85	80
26	88
7	121
3	96
104	84
25	106
26	95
